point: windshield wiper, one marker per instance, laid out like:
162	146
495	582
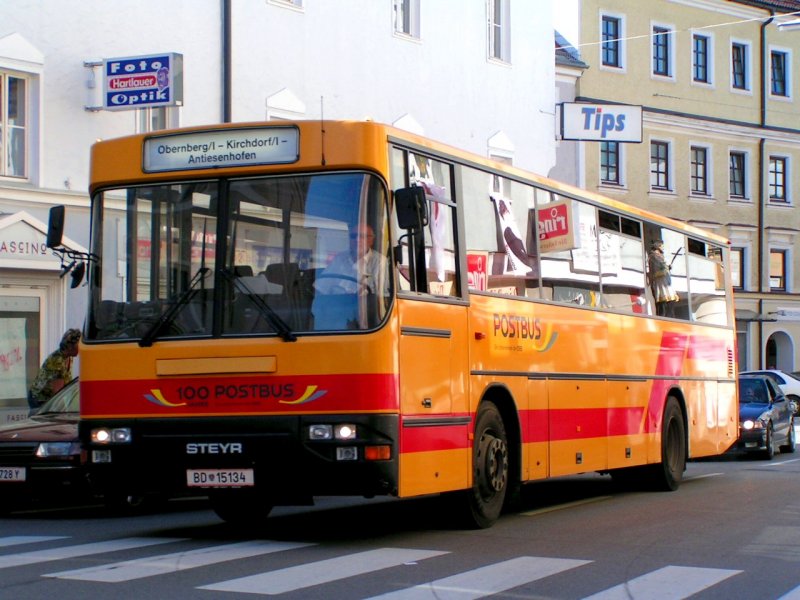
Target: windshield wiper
278	324
169	316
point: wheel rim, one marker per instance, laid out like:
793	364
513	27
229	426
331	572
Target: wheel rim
674	445
492	466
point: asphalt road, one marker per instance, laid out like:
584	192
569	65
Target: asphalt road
731	531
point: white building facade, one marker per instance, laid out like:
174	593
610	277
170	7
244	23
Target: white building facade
477	74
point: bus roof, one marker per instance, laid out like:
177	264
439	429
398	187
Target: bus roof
333	145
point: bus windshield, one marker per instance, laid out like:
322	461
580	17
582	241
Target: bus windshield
257	256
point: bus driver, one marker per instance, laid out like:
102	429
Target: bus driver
357	271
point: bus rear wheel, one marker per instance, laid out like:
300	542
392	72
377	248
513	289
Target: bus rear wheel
490	471
240	507
668	474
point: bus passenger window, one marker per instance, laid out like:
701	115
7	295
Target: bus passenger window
666	272
438	243
622	266
707	284
501	252
568	241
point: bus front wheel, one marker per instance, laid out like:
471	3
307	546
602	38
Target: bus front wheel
490	470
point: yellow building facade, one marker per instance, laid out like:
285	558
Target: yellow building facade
720	95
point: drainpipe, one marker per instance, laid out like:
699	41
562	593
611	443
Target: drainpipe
761	182
226	61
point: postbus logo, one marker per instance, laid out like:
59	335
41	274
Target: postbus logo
201	395
311	394
157	398
517	327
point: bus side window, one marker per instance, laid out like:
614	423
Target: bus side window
568	241
501	241
438	243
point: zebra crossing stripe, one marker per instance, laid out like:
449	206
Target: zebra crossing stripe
791	594
178	561
485	581
40	556
324	571
669	583
16	540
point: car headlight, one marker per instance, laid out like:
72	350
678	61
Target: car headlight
752	424
50	449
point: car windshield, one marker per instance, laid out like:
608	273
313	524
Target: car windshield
752	391
65	401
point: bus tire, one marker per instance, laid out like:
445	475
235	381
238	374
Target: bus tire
490	471
240	507
668	474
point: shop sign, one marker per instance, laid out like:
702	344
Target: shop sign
143	81
601	122
21	241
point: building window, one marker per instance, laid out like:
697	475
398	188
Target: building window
737	174
777	270
609	163
737	268
13	125
739	66
406	17
659	165
777	179
153	119
778	73
499	30
661	51
699	170
700	54
612	41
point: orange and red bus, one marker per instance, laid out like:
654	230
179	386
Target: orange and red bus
285	310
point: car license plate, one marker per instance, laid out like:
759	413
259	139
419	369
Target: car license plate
12	473
219	477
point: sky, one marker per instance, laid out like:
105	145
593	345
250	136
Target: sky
565	19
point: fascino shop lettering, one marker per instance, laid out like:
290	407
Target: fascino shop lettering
21	248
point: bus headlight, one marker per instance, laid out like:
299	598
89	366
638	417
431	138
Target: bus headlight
345	432
105	435
320	432
341	431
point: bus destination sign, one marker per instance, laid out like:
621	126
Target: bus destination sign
225	148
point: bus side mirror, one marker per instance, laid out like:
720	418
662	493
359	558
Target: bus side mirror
77	275
411	207
55	227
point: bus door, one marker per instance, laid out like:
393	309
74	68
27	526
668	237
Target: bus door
432	313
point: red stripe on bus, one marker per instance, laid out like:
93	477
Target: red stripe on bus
438	437
241	395
705	348
670	364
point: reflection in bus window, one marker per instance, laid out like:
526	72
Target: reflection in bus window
438	243
621	257
501	245
707	283
568	241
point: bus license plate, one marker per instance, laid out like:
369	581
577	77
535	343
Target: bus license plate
12	473
219	477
